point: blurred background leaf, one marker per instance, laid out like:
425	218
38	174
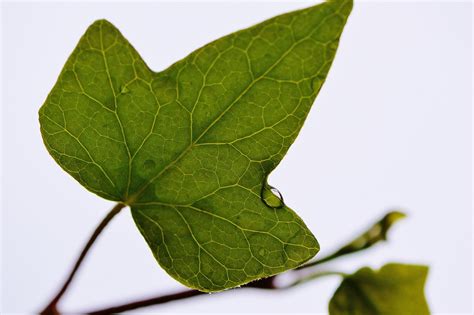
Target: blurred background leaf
375	233
395	289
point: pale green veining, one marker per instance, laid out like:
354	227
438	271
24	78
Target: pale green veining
189	148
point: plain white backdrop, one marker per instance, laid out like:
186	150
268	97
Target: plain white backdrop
391	128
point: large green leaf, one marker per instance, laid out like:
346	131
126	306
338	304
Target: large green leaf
393	290
189	149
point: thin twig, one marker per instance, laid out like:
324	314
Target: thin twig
266	283
147	302
52	306
376	233
318	262
313	276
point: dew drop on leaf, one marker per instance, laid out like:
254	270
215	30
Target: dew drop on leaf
272	197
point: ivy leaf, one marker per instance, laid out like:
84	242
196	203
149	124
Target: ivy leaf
394	289
190	148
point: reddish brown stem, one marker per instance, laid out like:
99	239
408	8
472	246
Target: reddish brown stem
51	309
267	283
147	302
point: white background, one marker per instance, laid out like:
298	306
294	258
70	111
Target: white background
391	128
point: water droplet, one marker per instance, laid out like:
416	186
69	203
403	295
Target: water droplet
272	197
149	165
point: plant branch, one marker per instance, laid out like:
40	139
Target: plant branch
313	276
148	302
371	236
52	306
320	261
266	283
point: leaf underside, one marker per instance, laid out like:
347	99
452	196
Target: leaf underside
189	148
393	290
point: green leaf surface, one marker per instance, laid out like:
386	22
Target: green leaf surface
189	149
395	289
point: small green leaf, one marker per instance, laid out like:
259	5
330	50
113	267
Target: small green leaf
373	235
189	148
393	290
376	233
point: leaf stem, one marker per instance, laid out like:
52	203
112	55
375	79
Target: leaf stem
147	302
376	233
364	241
319	261
52	306
313	276
265	283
